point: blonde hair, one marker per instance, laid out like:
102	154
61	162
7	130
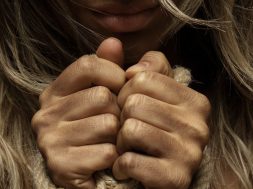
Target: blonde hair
33	52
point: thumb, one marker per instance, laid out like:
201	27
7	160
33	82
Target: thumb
154	61
111	49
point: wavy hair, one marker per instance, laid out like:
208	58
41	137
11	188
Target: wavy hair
33	51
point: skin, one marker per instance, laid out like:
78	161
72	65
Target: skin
136	44
96	115
91	120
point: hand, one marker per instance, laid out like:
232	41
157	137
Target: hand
164	127
77	124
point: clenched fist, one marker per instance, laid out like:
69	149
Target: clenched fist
150	128
78	122
164	127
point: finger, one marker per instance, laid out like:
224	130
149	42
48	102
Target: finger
91	158
139	136
86	72
90	102
85	160
150	171
83	104
167	117
111	49
127	165
152	61
157	86
92	130
170	118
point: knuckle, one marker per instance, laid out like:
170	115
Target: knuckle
194	157
86	62
205	105
204	134
141	78
197	130
130	131
199	133
103	95
112	124
47	142
179	177
126	161
45	117
132	102
110	153
187	128
39	121
46	98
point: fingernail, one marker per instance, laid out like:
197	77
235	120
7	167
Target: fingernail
139	67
